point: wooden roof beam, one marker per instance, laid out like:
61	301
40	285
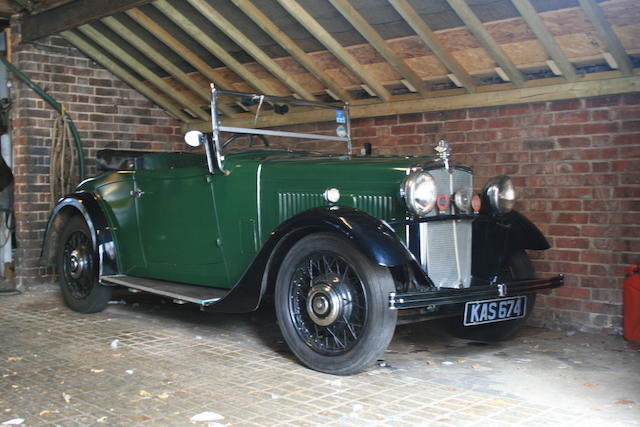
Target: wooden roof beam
592	85
323	36
170	41
71	15
533	20
373	37
218	19
431	40
486	41
131	62
213	47
292	47
611	40
153	54
123	74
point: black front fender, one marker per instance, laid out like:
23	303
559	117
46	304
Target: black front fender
88	206
373	237
494	238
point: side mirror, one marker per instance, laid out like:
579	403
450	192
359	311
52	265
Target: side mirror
194	138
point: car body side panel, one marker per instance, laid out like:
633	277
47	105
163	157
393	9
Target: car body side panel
114	191
178	224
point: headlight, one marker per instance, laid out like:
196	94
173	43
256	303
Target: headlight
419	192
462	199
500	194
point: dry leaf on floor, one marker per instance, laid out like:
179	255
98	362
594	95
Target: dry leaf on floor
14	359
461	361
163	396
475	366
144	393
431	362
589	385
97	371
66	397
625	402
101	419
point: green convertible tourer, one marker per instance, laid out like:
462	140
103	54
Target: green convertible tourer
348	245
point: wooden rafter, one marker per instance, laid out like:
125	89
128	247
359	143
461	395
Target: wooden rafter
595	85
533	20
484	38
323	36
373	37
218	19
291	46
431	40
157	57
119	53
127	77
71	15
213	47
170	41
149	51
611	41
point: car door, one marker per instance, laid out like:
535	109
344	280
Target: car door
178	223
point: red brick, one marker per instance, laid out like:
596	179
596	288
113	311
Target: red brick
560	130
609	127
603	101
572	104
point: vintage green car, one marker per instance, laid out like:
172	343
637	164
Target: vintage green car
348	245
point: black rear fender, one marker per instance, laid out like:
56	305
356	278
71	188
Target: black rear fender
87	206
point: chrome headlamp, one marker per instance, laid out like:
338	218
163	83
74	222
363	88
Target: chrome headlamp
500	194
419	192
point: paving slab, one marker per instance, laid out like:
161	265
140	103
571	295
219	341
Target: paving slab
146	361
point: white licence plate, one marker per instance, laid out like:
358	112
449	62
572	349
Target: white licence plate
494	310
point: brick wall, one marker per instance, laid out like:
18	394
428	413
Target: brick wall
107	113
576	165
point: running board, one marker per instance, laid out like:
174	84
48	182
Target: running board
201	295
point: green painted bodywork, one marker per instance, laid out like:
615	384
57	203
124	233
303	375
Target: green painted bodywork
189	226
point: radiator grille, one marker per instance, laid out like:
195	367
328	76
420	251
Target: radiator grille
444	249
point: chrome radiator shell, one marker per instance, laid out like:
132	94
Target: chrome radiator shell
444	247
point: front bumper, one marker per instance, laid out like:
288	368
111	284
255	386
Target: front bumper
433	299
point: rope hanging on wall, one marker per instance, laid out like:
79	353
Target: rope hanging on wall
63	167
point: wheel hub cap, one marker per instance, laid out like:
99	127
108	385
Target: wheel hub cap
78	263
327	300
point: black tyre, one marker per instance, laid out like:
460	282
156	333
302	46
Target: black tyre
517	267
77	268
332	305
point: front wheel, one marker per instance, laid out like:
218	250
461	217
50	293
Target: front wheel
517	267
76	262
332	305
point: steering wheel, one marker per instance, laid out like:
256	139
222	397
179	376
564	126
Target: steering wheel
235	136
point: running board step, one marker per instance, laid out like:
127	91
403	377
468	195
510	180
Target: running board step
201	295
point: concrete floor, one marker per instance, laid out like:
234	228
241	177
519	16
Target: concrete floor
145	361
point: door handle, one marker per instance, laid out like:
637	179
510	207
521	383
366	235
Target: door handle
136	193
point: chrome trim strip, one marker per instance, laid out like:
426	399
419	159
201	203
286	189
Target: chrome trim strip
455	237
424	244
234	129
259	203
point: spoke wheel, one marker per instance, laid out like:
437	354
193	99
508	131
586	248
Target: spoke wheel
332	305
328	304
76	264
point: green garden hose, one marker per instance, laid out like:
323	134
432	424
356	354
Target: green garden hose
56	106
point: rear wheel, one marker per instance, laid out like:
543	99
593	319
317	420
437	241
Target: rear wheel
76	262
332	305
517	267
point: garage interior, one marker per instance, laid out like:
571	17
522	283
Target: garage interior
544	91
